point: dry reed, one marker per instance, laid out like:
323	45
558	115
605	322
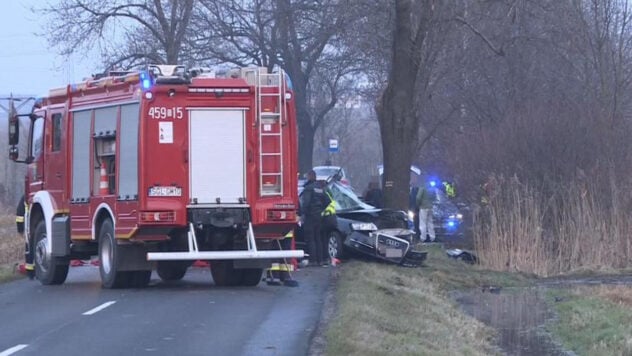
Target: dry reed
577	227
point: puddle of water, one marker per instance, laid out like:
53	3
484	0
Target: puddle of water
517	314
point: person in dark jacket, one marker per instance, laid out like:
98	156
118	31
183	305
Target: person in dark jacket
313	202
374	195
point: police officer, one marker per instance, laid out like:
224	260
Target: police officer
313	202
329	222
450	191
20	213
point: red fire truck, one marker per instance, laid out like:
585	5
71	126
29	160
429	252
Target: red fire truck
159	168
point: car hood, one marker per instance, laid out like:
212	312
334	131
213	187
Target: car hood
382	218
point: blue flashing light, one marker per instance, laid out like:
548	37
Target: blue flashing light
451	224
433	183
145	80
288	80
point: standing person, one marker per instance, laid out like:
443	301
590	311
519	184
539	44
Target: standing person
313	202
424	201
413	207
374	195
449	189
329	222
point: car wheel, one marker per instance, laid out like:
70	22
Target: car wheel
111	277
335	246
48	269
171	270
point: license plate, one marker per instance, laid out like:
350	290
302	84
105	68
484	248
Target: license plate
165	192
393	253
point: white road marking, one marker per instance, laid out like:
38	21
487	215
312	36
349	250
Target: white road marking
13	350
98	309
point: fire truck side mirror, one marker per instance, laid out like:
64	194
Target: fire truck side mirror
14	130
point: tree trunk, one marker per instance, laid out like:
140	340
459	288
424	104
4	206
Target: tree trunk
396	112
305	148
306	129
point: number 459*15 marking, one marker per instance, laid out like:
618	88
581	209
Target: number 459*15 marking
163	112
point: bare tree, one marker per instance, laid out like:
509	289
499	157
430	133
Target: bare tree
301	37
128	32
414	51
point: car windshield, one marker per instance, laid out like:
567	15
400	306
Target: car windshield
346	199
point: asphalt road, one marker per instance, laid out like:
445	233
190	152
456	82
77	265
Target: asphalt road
189	317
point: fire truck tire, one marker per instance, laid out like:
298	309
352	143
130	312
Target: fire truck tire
139	279
251	276
111	277
171	270
224	273
48	269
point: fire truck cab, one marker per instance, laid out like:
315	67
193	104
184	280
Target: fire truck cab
158	168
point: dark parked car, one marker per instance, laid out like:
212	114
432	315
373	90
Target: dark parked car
362	229
446	216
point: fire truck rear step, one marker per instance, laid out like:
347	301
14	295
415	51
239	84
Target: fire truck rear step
195	254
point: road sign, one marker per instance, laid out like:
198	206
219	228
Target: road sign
333	145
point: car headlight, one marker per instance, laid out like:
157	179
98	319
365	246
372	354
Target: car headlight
459	216
363	226
456	217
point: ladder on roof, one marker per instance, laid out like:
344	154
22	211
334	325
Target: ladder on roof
270	89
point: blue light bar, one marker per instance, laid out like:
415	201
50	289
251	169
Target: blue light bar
145	80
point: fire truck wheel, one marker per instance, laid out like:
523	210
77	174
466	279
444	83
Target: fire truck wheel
48	269
111	277
139	279
171	270
224	274
251	276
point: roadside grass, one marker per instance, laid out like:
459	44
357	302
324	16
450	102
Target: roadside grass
594	320
11	248
449	273
385	309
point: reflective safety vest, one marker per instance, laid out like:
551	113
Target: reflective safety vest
449	190
331	207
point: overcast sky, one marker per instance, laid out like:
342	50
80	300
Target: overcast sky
27	65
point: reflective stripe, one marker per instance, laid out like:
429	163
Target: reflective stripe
29	266
282	267
19	219
289	235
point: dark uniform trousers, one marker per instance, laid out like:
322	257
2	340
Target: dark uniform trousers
311	229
